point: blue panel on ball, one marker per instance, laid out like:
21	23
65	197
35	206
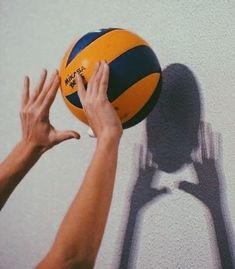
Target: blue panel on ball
85	41
126	70
129	68
74	99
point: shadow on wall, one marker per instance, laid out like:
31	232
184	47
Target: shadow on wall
172	126
209	189
172	130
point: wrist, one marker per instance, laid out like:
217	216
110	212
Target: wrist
108	142
112	135
29	149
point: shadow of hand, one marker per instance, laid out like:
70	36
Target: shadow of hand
143	192
209	189
204	162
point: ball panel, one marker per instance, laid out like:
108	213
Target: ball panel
148	107
137	62
135	97
85	41
74	99
129	68
77	112
129	103
111	44
108	47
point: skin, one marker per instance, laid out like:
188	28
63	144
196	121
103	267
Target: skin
79	236
38	135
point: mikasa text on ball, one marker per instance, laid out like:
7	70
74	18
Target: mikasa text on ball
135	73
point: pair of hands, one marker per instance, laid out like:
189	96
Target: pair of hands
39	133
206	163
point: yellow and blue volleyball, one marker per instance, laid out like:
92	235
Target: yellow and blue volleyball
135	73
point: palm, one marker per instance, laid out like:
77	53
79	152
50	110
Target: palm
207	190
36	127
143	193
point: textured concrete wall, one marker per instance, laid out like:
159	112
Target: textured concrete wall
153	223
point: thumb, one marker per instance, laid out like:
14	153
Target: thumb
157	192
65	135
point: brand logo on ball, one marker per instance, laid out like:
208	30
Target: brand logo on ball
70	79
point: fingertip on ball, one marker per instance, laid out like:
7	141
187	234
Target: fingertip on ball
91	133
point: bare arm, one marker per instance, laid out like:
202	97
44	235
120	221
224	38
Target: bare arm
14	168
80	234
38	135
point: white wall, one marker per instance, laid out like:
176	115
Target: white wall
175	231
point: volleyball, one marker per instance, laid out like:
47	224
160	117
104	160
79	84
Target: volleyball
135	73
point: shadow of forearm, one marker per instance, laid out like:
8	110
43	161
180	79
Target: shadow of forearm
224	244
127	247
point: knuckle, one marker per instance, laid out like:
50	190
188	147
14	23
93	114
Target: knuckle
85	107
30	111
104	83
49	97
22	112
96	81
37	113
88	104
35	93
101	100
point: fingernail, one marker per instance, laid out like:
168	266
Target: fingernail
91	133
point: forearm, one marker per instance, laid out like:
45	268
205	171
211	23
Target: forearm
14	168
222	236
81	232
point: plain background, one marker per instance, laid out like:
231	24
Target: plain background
174	232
